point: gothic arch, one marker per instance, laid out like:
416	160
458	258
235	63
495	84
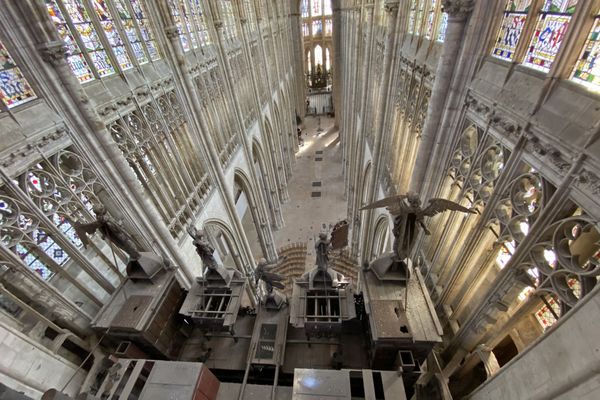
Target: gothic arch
241	179
380	237
215	227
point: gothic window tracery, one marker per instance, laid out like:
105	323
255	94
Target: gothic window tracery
37	210
513	21
587	68
155	141
14	88
552	24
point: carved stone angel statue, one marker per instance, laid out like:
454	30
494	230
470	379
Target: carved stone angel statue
111	231
407	211
263	272
203	247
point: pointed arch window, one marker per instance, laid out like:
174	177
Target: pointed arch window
431	19
317	27
327	10
75	57
328	27
552	24
443	25
14	88
145	29
412	15
317	9
587	68
513	21
131	31
113	36
304	9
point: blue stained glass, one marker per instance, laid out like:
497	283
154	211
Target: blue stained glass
14	88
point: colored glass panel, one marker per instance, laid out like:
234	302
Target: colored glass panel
545	317
419	17
199	25
317	27
81	20
515	16
130	30
442	26
550	31
145	29
113	36
75	58
305	29
327	7
411	16
316	8
304	8
14	89
189	15
546	41
328	27
587	68
176	13
431	19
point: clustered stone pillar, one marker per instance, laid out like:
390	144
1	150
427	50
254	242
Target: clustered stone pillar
458	11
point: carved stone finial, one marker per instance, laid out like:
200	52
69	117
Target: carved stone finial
458	8
172	32
53	52
391	6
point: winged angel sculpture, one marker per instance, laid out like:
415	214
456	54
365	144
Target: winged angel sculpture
407	212
271	279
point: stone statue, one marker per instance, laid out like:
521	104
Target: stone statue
263	272
203	247
322	250
407	212
110	230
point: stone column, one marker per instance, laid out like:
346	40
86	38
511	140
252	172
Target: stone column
458	11
385	108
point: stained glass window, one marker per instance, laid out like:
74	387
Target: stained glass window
328	27
545	316
145	29
188	18
431	19
81	20
318	55
113	36
75	57
14	89
200	19
327	60
308	63
316	8
130	30
587	68
411	16
317	27
442	26
304	8
550	30
305	29
513	21
505	253
176	13
327	7
419	17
